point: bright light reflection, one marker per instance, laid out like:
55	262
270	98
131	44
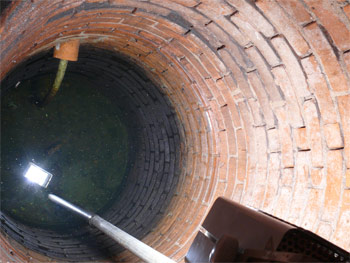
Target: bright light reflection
38	175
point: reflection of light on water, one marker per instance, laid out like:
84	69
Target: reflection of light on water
69	138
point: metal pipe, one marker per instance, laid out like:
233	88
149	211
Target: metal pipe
140	249
137	247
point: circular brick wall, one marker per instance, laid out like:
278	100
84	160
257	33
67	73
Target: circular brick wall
153	170
261	88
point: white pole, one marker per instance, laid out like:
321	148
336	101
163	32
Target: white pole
137	247
140	249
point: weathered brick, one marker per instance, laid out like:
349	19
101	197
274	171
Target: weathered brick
312	210
301	139
296	10
324	230
256	112
340	236
347	61
259	22
344	110
237	195
272	182
327	14
214	9
286	139
293	68
317	175
233	31
237	73
263	98
284	25
318	86
265	74
273	140
334	184
287	177
293	103
254	36
333	136
284	200
300	195
314	133
328	59
346	10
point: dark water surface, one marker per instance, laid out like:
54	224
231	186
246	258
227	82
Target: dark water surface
78	137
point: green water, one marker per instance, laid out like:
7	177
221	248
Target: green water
79	137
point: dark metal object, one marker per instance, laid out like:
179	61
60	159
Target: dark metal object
234	233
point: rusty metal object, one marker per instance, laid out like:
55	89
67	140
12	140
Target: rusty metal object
68	50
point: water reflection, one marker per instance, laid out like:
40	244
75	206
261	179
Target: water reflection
78	137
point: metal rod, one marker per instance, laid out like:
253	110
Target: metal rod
137	247
140	249
76	209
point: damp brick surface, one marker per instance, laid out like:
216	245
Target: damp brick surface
261	89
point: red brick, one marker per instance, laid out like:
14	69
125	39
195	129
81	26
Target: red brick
293	104
341	235
286	139
187	3
327	14
283	203
256	112
317	176
296	10
333	136
328	59
242	165
231	176
334	185
284	25
287	177
236	72
231	139
347	178
233	31
346	10
254	36
265	74
301	139
259	22
300	195
237	195
261	152
273	140
344	110
314	133
272	182
347	60
262	98
214	9
318	86
324	230
293	68
312	210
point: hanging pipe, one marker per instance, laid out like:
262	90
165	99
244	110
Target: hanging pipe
66	51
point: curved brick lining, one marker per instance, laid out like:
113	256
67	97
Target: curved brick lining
260	87
154	162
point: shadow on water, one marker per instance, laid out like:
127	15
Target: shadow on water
80	137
